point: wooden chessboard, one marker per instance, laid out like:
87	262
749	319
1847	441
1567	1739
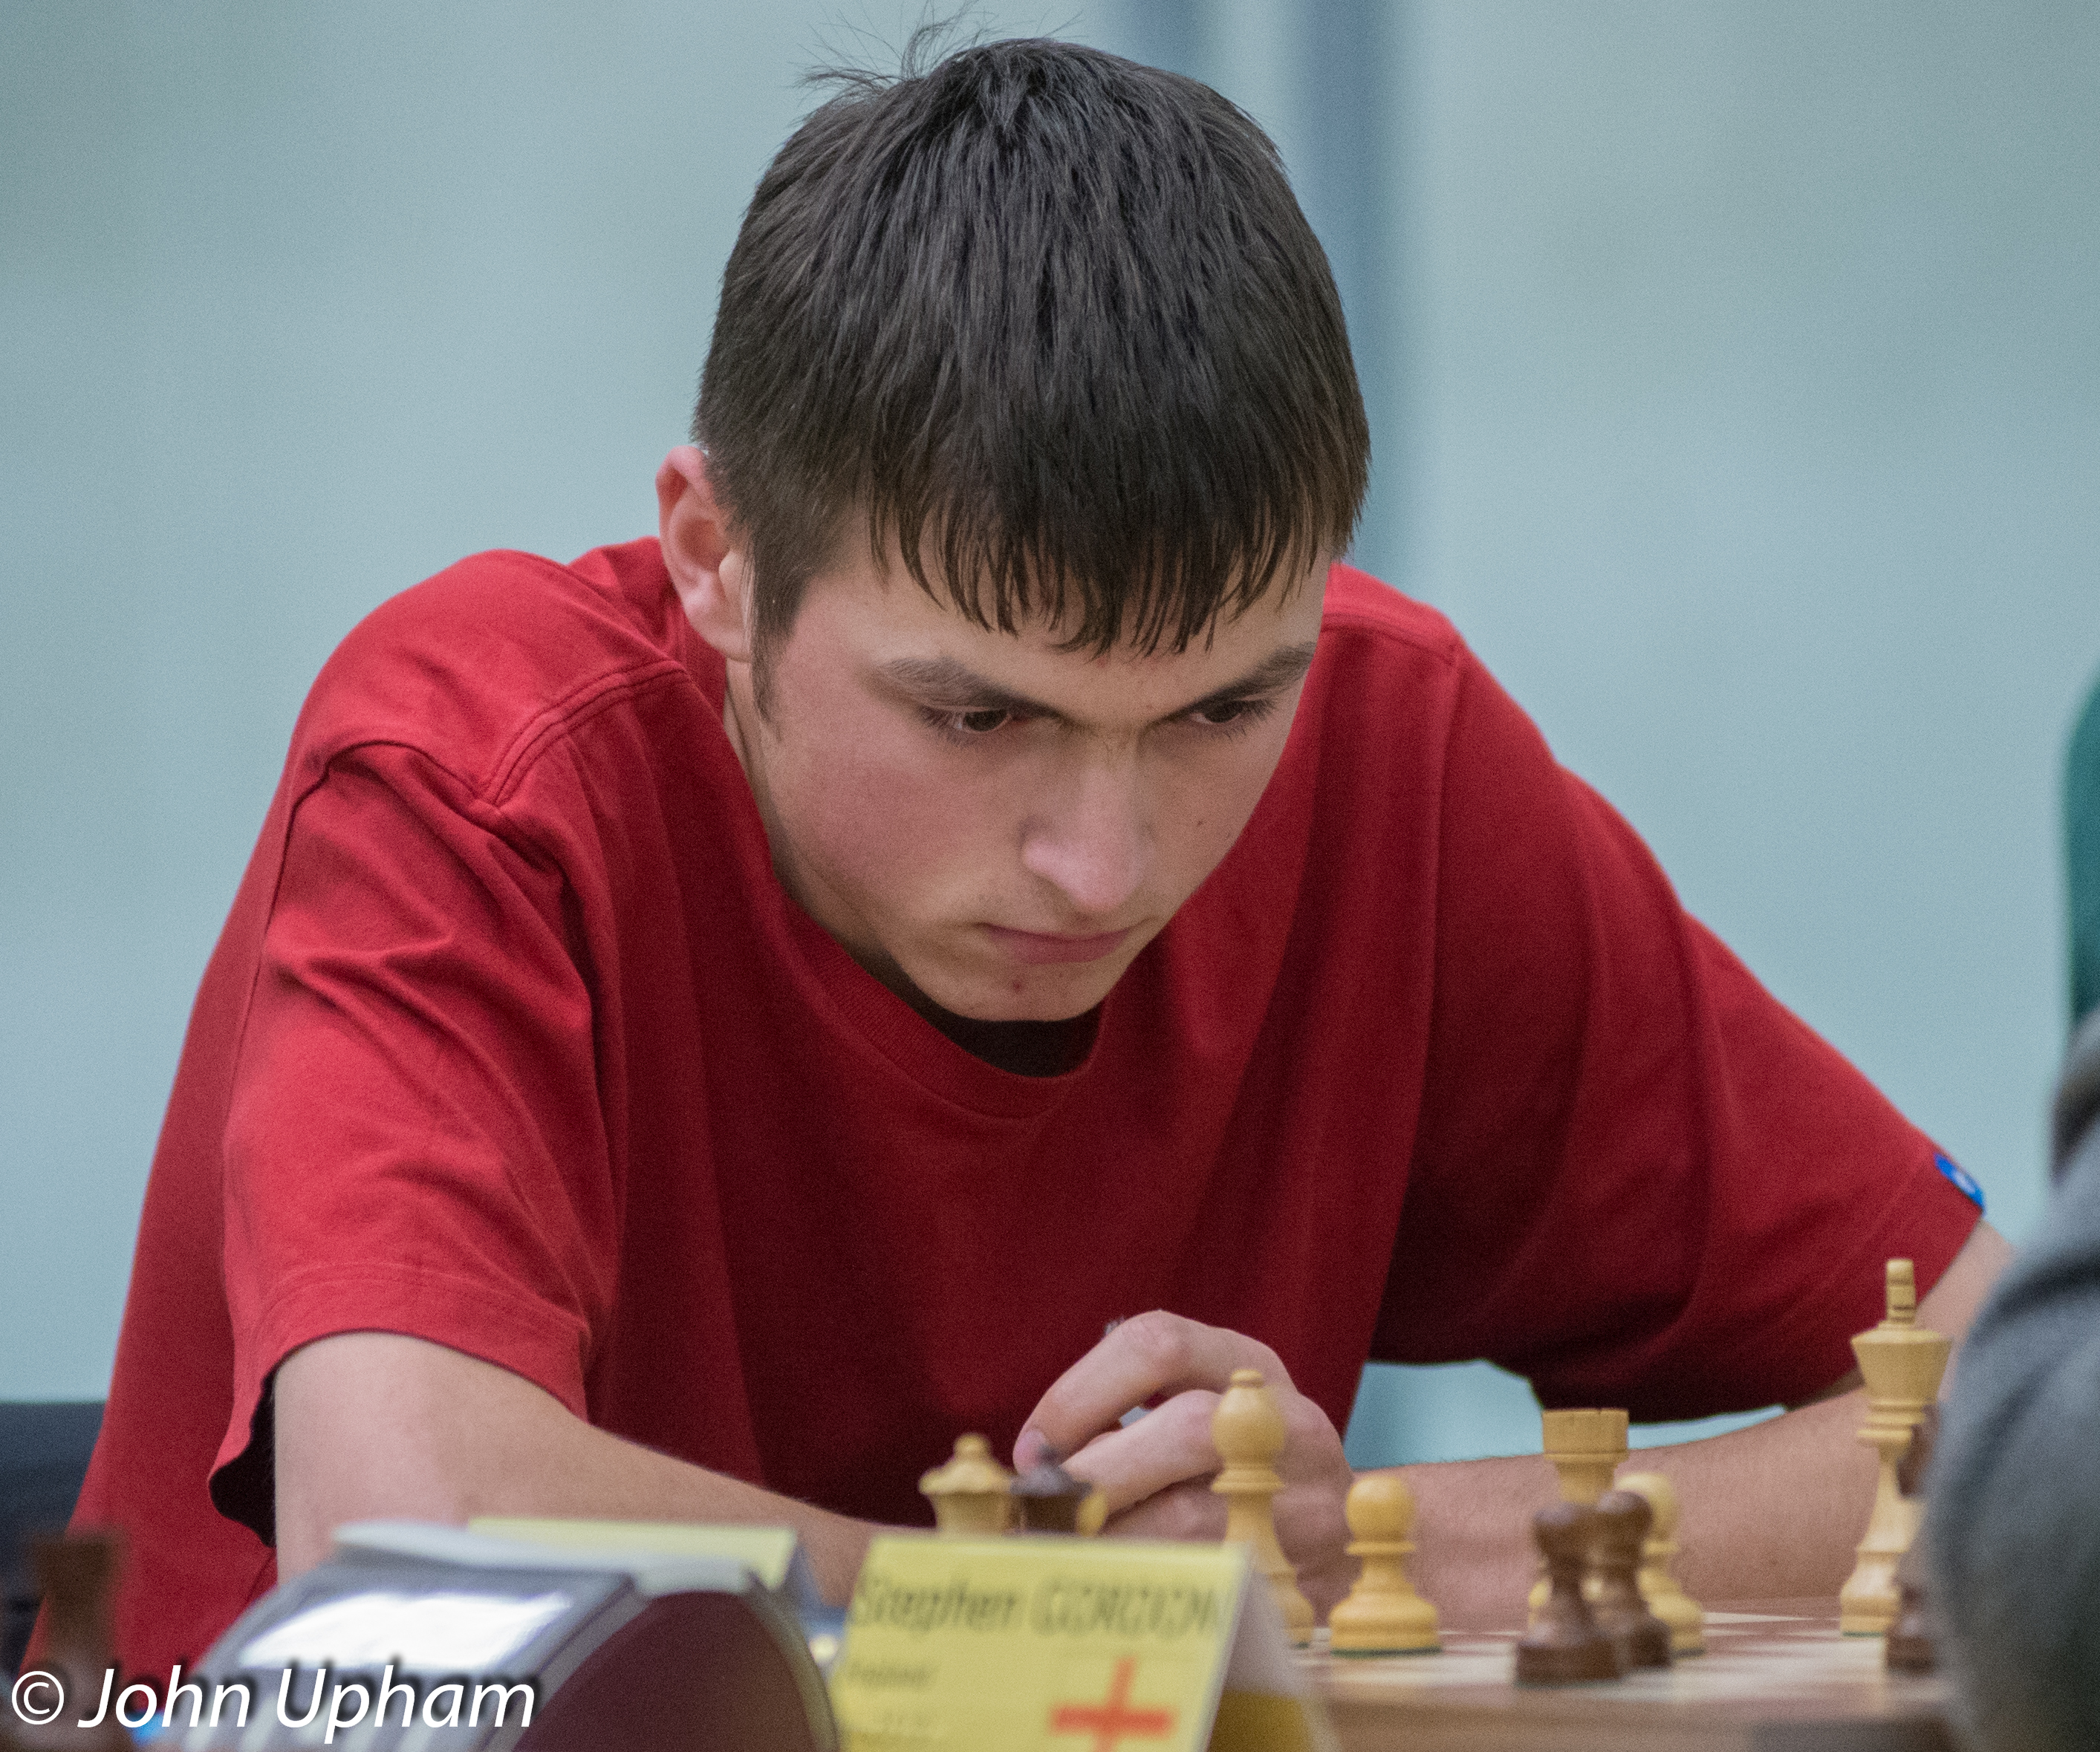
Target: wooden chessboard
1776	1677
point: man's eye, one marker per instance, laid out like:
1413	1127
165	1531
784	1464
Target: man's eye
966	726
1219	713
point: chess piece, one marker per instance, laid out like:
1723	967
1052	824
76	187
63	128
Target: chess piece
1564	1645
1093	1514
76	1573
1047	1498
1658	1584
972	1494
1383	1615
1623	1520
1903	1363
1913	1643
1586	1448
1248	1432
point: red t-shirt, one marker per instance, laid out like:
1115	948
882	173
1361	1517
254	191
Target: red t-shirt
512	1042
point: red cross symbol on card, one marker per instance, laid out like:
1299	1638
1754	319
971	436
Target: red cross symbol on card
1114	1719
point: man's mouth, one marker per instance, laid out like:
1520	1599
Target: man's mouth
1039	947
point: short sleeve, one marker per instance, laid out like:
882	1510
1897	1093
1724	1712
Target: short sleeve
413	1143
1639	1180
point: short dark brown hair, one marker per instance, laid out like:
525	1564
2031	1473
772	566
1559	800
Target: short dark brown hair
1050	320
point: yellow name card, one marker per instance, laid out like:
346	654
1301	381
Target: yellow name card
1068	1646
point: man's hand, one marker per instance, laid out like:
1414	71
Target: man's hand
372	1425
1770	1511
1156	1473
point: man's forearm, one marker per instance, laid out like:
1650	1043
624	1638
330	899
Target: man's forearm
372	1425
1774	1511
588	1473
1769	1513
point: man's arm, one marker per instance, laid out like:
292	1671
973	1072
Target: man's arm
375	1424
1771	1512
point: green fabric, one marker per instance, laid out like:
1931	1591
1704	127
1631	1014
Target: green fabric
2081	839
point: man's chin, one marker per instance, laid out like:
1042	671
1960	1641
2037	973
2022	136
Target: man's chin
1036	994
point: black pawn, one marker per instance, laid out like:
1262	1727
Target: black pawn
1564	1645
1623	1519
1048	1499
77	1573
1912	1643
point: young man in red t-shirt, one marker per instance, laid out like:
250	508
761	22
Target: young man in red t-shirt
706	1024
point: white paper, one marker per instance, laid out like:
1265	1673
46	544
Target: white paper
419	1633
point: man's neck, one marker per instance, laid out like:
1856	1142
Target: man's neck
1026	1048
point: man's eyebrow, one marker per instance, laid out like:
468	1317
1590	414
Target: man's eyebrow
1273	673
955	684
959	687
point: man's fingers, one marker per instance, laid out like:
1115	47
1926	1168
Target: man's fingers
1031	1448
1190	1511
1149	1357
1164	1448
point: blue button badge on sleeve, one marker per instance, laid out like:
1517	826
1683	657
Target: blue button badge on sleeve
1963	1183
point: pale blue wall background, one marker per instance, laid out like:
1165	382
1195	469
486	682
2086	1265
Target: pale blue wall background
1735	370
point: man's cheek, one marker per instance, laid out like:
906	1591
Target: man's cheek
891	827
1206	819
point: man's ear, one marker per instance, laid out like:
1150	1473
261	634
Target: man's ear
706	558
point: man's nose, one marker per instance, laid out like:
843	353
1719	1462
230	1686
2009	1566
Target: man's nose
1093	847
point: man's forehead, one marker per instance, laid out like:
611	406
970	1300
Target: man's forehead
862	557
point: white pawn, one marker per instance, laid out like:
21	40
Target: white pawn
1248	1432
1383	1615
971	1494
